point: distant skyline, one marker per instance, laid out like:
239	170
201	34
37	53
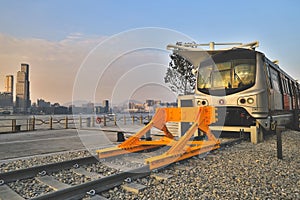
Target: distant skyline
54	37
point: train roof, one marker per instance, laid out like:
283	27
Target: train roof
196	55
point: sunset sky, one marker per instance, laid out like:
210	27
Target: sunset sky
93	50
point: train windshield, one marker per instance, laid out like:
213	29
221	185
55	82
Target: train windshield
229	75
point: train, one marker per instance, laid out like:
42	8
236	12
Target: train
246	87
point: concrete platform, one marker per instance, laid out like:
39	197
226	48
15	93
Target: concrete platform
23	144
43	142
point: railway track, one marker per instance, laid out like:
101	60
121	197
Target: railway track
93	183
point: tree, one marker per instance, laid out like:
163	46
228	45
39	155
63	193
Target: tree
179	76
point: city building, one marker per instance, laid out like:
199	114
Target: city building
6	102
23	90
6	97
88	108
150	102
9	84
41	103
106	106
46	108
157	102
99	109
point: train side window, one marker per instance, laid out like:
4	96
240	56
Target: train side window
293	89
293	94
275	79
288	87
283	83
285	87
297	87
269	76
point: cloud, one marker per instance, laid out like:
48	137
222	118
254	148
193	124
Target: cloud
74	36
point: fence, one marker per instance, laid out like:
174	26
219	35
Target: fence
67	122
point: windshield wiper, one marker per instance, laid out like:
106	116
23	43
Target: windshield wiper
239	79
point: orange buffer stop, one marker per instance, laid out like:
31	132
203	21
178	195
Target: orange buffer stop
182	148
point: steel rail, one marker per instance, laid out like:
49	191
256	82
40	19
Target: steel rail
96	186
231	142
89	188
106	183
11	176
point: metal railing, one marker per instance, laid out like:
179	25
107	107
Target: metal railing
32	123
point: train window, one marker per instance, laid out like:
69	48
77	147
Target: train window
283	83
204	77
233	76
295	89
244	74
222	75
220	79
269	76
237	74
275	79
288	86
224	66
293	94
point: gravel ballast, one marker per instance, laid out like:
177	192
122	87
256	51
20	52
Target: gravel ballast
41	160
242	171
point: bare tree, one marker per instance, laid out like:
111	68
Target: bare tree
179	76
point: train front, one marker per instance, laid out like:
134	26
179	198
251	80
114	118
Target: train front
234	82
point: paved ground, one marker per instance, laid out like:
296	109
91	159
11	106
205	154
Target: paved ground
24	144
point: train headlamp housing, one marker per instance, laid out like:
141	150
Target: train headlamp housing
250	100
242	101
202	102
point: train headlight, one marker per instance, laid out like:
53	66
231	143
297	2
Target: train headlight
242	101
199	103
250	100
202	102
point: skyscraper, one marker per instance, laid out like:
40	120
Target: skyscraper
22	90
106	106
9	84
6	98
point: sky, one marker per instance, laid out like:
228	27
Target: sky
62	40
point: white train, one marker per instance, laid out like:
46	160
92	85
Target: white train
247	88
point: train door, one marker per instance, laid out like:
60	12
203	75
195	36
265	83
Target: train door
276	95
